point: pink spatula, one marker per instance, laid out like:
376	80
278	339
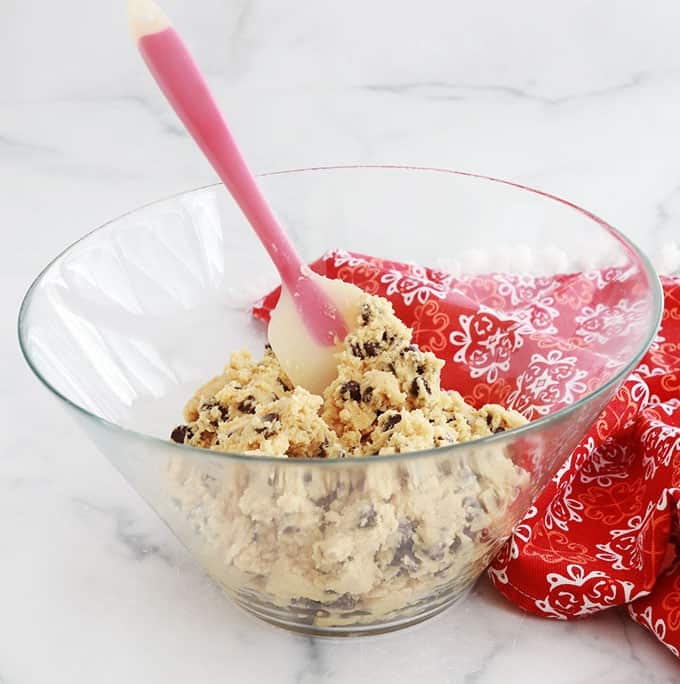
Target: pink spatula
311	318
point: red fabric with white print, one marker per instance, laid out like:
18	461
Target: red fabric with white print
603	532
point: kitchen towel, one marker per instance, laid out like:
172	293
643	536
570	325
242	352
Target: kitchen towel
604	532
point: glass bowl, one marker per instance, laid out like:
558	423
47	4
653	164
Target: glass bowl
126	323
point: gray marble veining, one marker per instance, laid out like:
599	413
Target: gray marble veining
581	99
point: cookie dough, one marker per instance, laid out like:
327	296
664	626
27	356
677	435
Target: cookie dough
345	543
253	408
386	399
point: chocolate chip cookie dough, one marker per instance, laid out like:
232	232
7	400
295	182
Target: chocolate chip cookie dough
358	542
386	399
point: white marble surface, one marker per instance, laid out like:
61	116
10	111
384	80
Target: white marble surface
579	98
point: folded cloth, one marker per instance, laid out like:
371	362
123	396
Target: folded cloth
604	531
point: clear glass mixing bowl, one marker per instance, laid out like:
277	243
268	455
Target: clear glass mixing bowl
126	323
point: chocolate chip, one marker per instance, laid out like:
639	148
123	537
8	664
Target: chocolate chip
367	395
247	405
213	403
322	452
285	385
391	422
309	604
266	432
180	433
436	553
402	550
392	368
326	501
415	388
420	369
344	602
267	347
371	348
489	422
271	417
389	340
208	407
404	555
352	389
365	313
356	350
444	467
368	518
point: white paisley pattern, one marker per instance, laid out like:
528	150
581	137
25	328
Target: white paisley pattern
537	312
523	532
563	509
625	550
342	258
656	627
604	276
602	323
574	461
416	284
660	443
486	343
607	463
579	593
668	406
549	381
564	469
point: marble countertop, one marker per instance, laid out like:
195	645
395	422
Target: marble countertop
581	99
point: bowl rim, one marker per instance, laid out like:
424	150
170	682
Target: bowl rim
530	427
